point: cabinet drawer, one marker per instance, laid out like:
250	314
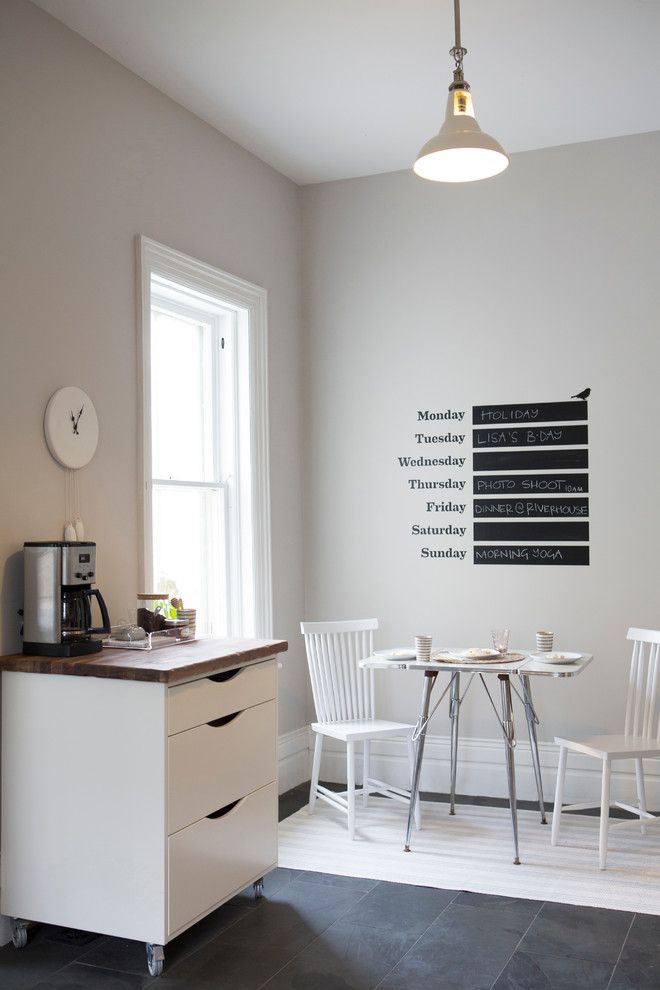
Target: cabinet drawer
212	765
210	860
220	694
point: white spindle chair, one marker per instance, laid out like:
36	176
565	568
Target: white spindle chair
641	738
344	701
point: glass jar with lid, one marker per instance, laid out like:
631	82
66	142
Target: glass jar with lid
152	611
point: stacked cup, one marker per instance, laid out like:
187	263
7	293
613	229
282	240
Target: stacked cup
190	616
423	648
544	641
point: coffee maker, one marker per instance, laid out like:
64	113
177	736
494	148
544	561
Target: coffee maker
57	611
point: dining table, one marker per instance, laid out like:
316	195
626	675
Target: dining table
515	672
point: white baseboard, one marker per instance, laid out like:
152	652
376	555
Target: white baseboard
481	770
294	760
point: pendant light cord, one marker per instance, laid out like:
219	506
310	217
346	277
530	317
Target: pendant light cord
457	24
458	51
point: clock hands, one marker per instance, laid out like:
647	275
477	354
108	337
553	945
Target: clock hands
76	419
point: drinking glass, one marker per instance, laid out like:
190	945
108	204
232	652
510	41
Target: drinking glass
500	640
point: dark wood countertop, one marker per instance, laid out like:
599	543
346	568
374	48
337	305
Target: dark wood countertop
167	665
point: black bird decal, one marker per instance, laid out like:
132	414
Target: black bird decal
584	394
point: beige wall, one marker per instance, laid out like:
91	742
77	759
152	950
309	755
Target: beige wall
524	288
91	157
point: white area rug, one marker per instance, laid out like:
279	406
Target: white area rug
473	851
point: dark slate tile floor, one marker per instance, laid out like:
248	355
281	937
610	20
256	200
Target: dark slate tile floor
317	931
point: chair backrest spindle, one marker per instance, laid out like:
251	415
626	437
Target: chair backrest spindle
342	691
642	716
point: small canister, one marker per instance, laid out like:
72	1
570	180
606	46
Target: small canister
189	615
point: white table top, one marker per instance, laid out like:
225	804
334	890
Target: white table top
527	665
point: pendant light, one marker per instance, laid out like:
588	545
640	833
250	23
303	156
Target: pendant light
460	151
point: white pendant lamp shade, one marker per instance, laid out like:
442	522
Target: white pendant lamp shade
461	151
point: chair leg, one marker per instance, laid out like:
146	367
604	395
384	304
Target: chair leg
604	814
559	795
641	792
454	711
316	769
411	761
350	775
366	762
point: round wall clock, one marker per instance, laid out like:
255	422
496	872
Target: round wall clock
71	427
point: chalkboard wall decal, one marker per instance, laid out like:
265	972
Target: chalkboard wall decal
547	554
530	436
528	508
529	467
576	532
530	413
522	460
530	484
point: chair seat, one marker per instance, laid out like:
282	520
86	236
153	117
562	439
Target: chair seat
613	747
366	728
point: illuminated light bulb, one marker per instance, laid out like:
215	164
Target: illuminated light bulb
463	103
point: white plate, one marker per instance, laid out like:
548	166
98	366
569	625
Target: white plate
395	654
565	657
482	653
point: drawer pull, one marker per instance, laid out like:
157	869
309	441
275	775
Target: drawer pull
225	675
221	812
217	722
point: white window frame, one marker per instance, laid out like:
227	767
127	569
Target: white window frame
250	303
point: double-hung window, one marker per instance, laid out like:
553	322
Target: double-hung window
205	494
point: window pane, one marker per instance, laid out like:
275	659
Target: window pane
181	401
189	556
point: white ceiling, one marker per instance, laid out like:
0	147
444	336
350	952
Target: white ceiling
328	90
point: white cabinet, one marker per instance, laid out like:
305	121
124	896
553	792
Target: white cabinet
132	808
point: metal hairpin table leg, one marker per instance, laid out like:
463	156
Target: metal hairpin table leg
532	722
509	743
422	722
454	709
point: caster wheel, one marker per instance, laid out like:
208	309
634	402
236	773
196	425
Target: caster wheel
19	935
258	887
155	959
